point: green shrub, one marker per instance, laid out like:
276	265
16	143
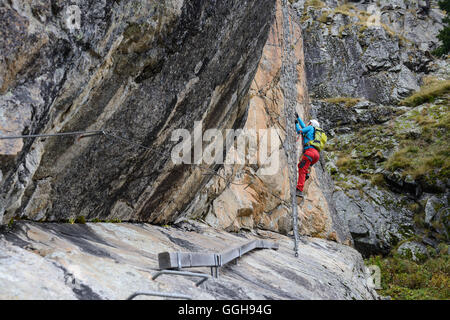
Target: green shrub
80	219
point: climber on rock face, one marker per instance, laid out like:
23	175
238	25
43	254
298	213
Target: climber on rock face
314	139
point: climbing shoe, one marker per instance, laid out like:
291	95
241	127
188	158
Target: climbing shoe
299	193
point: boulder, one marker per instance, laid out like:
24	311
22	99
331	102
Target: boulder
376	219
413	250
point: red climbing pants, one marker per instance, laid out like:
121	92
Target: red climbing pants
309	157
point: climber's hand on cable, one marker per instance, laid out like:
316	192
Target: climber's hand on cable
296	116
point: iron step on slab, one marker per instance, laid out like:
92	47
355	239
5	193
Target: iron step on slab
178	260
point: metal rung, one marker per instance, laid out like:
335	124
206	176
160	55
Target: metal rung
159	294
179	260
183	273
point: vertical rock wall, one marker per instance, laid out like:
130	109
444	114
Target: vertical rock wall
136	69
248	198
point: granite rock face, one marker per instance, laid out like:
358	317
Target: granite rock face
375	217
362	58
257	195
383	205
374	50
137	70
112	261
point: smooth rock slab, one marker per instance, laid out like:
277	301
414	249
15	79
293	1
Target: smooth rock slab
113	261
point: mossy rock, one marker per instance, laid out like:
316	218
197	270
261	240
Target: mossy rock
412	250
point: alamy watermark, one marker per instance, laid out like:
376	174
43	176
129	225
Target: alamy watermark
239	146
373	280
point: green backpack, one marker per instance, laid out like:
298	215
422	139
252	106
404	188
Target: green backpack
320	139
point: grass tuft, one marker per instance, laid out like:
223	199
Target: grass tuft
317	4
427	93
348	102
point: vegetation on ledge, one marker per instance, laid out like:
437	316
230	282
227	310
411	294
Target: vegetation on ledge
426	156
428	93
317	4
415	145
404	279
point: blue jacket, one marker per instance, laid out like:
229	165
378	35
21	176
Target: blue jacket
306	131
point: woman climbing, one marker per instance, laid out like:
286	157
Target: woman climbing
314	139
